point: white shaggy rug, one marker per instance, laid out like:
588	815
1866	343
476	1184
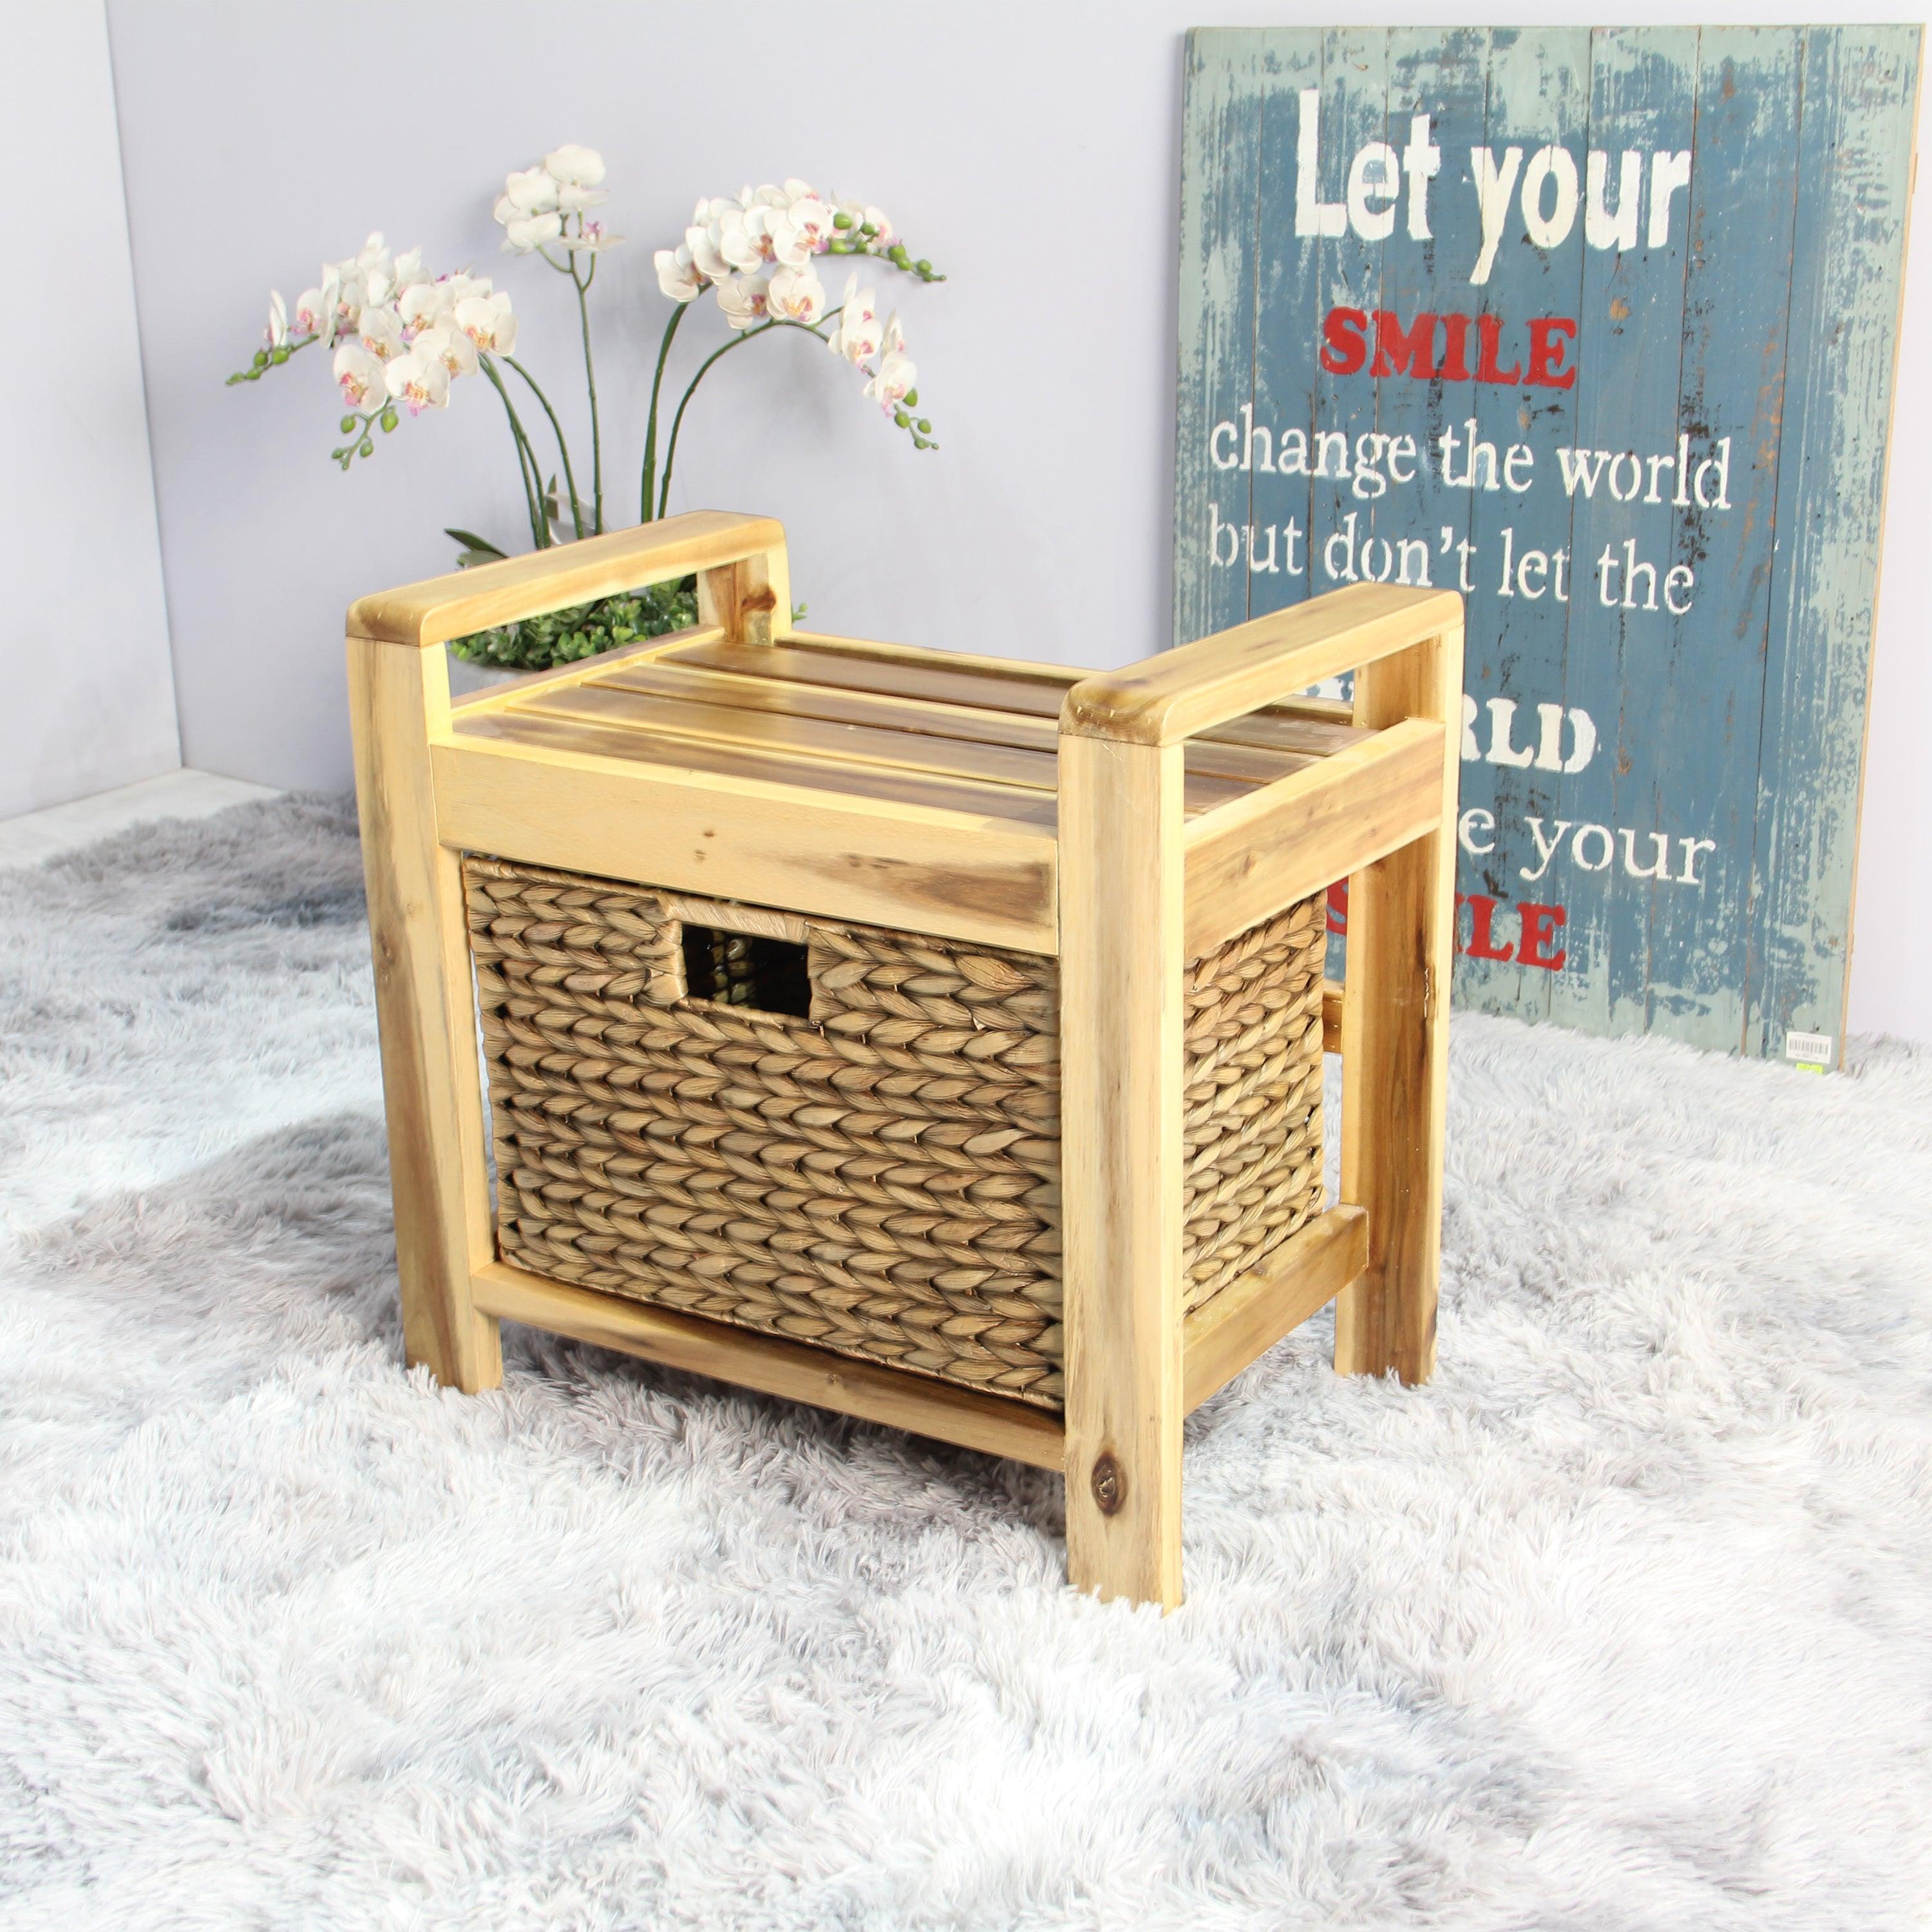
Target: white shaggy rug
1625	1622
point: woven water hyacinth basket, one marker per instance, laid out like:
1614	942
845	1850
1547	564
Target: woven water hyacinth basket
847	1135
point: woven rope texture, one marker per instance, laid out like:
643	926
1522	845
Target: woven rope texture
881	1177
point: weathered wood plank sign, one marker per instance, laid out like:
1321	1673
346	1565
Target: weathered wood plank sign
1599	327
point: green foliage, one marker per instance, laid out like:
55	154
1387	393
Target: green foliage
566	637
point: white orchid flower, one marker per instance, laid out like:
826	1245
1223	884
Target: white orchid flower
406	272
462	284
532	191
677	273
450	347
876	218
896	377
573	167
315	308
799	190
488	322
575	200
361	377
706	255
278	330
592	238
744	239
374	270
744	299
380	331
766	196
801	231
526	232
796	294
714	208
857	337
422	307
419	380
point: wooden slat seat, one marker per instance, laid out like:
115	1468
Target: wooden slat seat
970	735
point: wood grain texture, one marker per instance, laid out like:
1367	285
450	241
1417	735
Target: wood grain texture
1122	1164
442	607
1249	1316
774	1367
1198	686
884	862
431	1092
1277	746
1395	1043
1762	319
1855	162
1248	858
668	726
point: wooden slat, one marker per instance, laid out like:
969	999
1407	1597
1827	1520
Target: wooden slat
1278	844
836	855
1246	758
442	607
775	1367
628	744
1253	1312
1164	699
1120	1015
1316	726
506	691
665	723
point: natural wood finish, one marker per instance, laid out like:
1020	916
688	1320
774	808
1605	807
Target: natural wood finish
868	801
1395	1039
1164	699
398	698
443	608
885	863
626	744
503	692
667	727
1266	850
749	599
1249	1316
726	693
1313	725
775	1367
1122	1164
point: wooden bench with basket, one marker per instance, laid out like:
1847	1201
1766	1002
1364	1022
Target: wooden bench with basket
937	1039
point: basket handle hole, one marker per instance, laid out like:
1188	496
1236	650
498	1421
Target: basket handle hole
739	969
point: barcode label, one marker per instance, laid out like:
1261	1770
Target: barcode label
1810	1049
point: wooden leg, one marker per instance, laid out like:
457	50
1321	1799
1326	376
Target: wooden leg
1121	908
1395	1044
424	1009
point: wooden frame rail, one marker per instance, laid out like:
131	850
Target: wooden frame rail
1140	894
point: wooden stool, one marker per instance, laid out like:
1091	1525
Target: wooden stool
824	1060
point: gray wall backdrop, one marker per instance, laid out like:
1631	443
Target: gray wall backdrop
1029	150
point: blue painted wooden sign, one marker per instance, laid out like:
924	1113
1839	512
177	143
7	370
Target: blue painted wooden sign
1598	326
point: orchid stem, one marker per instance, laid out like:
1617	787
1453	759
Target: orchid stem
676	421
527	463
645	512
563	448
582	285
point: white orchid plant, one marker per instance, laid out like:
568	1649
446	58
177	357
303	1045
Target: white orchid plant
401	338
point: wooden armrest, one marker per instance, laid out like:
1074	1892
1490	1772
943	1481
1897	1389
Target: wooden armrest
1180	693
443	608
